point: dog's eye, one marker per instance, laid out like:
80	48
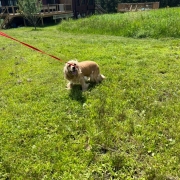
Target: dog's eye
74	64
69	65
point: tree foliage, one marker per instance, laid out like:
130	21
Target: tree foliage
31	10
111	5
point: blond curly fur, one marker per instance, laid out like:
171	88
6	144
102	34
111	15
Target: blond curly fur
78	72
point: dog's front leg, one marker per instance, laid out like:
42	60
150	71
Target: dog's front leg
83	84
69	85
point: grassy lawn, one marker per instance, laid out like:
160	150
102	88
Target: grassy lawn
125	128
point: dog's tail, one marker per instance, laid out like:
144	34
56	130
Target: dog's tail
103	77
100	77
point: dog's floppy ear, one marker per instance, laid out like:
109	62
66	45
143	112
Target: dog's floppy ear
65	68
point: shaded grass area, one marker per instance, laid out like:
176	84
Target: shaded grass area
125	128
155	24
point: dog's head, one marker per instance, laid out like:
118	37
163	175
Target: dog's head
71	68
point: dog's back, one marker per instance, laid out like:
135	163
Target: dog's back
87	67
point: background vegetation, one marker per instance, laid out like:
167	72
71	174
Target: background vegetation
125	128
154	24
30	9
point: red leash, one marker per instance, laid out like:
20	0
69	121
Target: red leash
29	46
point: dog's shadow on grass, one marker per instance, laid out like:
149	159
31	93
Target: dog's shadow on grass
92	86
76	93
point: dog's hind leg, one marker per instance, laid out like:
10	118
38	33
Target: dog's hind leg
84	84
94	76
92	79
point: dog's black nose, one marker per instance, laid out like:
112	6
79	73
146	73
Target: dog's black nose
74	68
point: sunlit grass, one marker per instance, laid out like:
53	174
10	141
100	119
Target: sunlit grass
154	23
125	128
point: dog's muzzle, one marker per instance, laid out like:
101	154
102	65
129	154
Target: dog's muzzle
74	71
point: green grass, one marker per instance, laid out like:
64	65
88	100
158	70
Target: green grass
154	24
125	128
